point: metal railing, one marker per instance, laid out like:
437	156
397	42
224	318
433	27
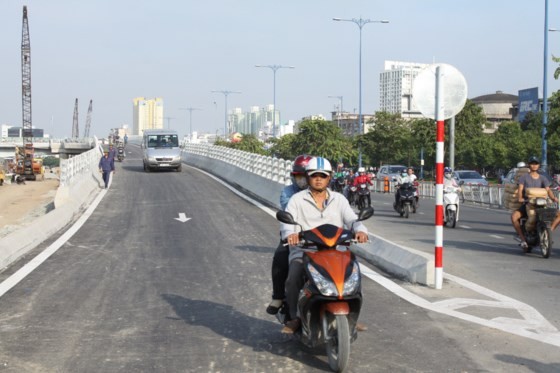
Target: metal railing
491	196
79	166
275	169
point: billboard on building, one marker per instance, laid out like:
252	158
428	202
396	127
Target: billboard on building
528	102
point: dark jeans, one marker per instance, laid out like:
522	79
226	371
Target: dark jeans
280	267
106	175
293	285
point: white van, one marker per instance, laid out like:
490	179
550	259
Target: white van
161	150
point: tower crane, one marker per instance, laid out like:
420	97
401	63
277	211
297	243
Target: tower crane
75	128
24	157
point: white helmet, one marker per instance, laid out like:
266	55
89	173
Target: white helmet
521	164
361	169
318	164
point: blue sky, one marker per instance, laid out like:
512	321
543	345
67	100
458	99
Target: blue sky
114	50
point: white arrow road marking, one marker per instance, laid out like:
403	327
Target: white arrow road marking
182	217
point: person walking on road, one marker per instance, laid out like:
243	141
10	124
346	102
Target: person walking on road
106	166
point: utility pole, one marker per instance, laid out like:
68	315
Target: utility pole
190	109
169	122
225	93
88	119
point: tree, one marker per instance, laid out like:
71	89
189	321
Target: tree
323	138
249	143
389	140
284	147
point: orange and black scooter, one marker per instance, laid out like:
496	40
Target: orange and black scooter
331	298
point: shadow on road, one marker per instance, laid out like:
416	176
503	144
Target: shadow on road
250	331
533	365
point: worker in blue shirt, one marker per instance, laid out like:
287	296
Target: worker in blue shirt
106	166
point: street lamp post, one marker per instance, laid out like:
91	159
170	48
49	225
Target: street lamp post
274	68
544	165
225	93
169	122
361	23
190	109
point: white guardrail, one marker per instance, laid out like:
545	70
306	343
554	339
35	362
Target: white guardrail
279	170
275	169
80	166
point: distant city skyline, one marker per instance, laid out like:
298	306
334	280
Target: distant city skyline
111	52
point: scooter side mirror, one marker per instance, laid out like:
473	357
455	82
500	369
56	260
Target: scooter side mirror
285	217
365	214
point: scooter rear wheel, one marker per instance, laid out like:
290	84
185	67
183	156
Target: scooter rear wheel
338	342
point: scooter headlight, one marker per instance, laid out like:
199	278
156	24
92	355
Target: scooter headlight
325	286
541	202
352	284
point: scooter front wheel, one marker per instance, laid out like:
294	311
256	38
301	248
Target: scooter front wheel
544	240
407	209
338	342
452	218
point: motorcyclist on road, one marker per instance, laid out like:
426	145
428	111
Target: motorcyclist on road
362	178
280	262
405	177
531	180
313	207
448	179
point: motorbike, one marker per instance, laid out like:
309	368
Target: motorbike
339	184
352	195
363	192
451	206
407	201
120	155
537	231
330	301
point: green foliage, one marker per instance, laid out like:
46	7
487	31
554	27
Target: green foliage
50	161
325	139
249	143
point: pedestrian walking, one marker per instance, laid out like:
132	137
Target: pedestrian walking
106	166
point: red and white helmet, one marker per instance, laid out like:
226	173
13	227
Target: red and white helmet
300	163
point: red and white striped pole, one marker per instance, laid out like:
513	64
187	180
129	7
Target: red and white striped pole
440	134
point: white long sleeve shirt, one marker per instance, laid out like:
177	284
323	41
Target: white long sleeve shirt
337	211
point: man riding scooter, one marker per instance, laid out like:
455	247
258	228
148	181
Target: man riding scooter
362	178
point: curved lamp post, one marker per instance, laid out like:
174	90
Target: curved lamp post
274	68
360	22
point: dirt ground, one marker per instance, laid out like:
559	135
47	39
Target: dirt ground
19	204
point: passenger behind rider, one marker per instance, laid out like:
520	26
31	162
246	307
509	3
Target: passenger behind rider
362	178
531	180
280	262
313	207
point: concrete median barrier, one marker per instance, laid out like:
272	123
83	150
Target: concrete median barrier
406	263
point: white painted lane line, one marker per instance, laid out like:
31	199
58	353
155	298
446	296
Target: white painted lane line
496	236
465	227
15	278
531	323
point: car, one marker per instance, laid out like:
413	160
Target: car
469	177
509	178
391	171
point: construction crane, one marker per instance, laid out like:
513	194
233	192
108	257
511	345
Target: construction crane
75	128
88	119
24	157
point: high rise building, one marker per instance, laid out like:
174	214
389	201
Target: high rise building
146	114
395	88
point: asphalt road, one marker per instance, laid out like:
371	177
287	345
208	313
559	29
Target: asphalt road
136	290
